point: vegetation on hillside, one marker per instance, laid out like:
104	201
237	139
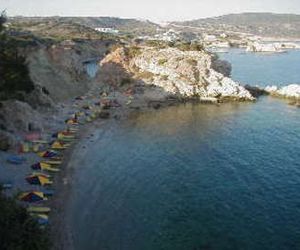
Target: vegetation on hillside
181	45
83	27
132	51
56	29
14	74
263	24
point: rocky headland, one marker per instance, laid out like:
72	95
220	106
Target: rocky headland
182	74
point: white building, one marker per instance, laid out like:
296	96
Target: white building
169	36
209	38
107	30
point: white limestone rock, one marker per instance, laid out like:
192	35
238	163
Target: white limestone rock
289	91
187	73
267	48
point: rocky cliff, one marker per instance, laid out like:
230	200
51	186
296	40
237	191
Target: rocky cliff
60	70
58	74
181	73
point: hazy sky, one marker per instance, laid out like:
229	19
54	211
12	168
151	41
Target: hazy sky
156	10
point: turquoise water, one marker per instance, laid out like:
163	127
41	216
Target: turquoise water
192	177
264	69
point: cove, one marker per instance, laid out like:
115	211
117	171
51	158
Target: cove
192	176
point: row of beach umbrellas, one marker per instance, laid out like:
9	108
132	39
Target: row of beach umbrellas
52	156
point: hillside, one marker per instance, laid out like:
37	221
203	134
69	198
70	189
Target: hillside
125	26
53	28
262	24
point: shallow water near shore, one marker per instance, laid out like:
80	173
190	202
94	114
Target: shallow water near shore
191	177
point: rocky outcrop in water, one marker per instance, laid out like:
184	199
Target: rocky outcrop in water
182	73
289	91
277	47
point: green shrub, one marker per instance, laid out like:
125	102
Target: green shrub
157	44
188	46
183	46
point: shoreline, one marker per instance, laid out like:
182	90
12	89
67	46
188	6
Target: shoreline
59	229
60	234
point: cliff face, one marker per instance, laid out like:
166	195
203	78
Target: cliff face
60	70
182	73
58	74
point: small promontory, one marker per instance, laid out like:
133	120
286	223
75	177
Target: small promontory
184	73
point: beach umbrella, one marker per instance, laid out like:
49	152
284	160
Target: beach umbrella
33	196
67	135
38	179
72	129
59	145
40	166
53	162
64	137
35	209
48	154
71	121
44	166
